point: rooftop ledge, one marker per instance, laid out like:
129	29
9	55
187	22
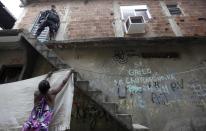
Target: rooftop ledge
127	41
113	41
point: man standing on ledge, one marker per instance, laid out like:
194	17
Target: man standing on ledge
51	19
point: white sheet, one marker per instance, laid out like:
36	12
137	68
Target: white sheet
16	102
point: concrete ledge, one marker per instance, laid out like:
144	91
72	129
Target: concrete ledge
10	42
126	41
113	41
6	39
12	32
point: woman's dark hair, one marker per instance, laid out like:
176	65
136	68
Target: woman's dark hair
44	86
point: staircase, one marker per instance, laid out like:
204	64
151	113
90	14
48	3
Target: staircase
95	95
42	49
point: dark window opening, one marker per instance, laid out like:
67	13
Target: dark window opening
174	9
137	19
160	55
10	73
142	13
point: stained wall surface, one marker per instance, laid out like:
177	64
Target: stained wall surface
164	89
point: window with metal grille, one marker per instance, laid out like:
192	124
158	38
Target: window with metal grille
139	10
174	9
44	36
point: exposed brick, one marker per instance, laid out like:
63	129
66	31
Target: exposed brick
95	18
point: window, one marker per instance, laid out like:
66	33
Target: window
140	10
143	13
174	9
10	73
134	18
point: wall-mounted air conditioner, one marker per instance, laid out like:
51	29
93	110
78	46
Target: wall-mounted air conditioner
135	25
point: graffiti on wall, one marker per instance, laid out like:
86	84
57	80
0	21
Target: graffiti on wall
127	103
88	111
164	89
120	56
198	96
121	88
159	98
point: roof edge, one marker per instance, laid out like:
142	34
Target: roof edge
128	41
112	41
10	32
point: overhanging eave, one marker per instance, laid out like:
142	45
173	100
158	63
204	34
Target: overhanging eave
7	19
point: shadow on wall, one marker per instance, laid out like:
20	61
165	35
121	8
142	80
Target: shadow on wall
87	116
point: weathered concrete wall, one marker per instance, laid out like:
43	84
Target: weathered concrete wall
165	94
18	57
12	57
101	18
87	116
41	67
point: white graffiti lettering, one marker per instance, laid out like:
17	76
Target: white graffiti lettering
136	80
139	72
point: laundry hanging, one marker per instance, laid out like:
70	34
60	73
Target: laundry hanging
17	101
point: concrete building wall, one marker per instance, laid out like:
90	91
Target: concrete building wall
12	57
41	67
83	117
11	64
87	116
193	22
18	57
101	18
163	93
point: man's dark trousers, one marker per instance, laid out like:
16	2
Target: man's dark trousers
52	27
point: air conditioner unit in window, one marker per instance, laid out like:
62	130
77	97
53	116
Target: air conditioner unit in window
135	25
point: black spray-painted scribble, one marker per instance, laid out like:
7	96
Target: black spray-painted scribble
120	56
176	85
88	111
198	96
159	98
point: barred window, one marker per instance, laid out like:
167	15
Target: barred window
174	9
139	10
